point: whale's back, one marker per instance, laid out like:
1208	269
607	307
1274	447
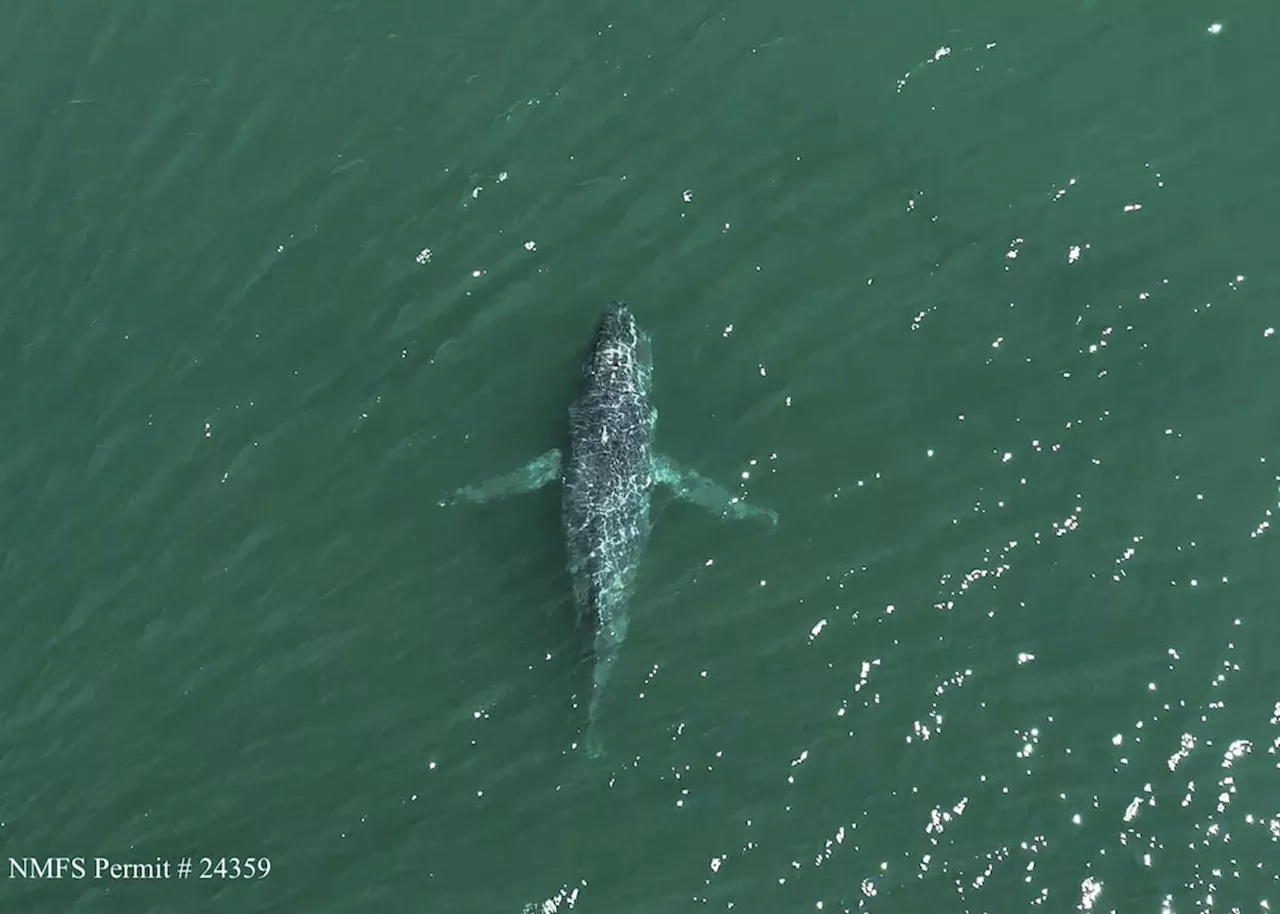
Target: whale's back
608	476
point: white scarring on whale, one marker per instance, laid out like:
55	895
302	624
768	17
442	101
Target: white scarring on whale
607	484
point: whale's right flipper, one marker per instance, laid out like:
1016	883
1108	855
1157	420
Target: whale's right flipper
529	478
694	487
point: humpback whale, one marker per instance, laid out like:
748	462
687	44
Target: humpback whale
607	481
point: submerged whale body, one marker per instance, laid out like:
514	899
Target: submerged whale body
608	480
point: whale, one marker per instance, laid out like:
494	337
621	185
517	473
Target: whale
608	478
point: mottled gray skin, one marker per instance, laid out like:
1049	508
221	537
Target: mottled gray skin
608	478
608	481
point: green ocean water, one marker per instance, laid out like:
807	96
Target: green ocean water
979	297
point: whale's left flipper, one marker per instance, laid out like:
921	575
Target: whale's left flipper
698	489
532	476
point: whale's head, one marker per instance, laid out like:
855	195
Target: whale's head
620	352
